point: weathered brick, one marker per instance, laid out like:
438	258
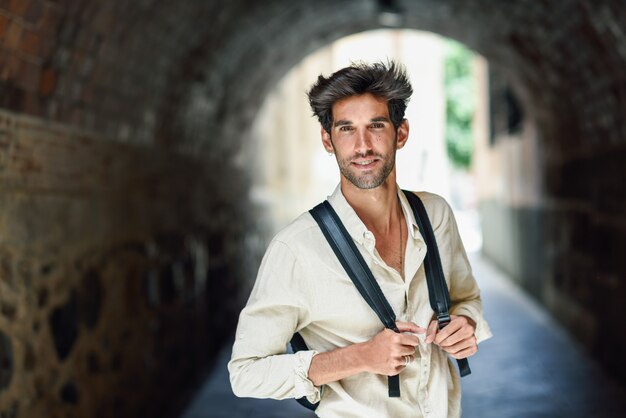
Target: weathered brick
10	67
19	7
31	103
31	43
49	20
13	35
34	12
29	75
4	23
46	47
48	81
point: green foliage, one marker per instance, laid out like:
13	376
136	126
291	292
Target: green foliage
460	103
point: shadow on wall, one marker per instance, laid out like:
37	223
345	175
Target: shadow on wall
113	275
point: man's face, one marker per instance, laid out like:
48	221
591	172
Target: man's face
364	140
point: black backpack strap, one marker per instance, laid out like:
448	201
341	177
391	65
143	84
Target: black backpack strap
358	271
437	288
352	261
298	344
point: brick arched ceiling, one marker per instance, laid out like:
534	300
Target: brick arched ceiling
142	71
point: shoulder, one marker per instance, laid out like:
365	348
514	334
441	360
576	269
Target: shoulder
299	236
433	201
294	249
438	209
298	229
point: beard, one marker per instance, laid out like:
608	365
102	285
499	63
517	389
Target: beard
367	179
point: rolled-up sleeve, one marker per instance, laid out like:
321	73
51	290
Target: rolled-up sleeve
259	367
464	291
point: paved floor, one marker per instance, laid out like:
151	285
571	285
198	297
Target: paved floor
531	368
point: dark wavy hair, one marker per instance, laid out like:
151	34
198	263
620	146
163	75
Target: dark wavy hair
388	81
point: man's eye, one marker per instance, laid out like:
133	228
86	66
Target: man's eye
345	128
378	125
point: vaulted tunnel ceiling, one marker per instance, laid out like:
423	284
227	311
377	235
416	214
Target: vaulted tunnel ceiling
182	73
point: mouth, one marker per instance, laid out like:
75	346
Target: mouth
365	164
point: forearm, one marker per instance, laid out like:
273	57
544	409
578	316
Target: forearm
387	353
277	376
337	364
473	310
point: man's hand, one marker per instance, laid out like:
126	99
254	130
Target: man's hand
387	352
457	338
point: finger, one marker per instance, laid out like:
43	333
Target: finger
461	334
465	353
466	318
447	331
408	340
403	362
460	346
409	327
432	332
406	350
460	328
411	359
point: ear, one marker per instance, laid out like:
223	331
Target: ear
403	133
326	141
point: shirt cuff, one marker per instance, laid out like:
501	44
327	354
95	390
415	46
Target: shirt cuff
482	331
302	385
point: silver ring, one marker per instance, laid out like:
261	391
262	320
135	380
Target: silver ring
407	360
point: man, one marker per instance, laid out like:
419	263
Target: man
301	286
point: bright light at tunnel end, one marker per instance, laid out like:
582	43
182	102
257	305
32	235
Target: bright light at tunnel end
389	14
390	19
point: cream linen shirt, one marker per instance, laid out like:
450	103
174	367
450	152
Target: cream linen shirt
301	286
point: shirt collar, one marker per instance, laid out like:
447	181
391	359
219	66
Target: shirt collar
408	215
355	227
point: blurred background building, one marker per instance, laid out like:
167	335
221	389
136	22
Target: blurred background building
295	172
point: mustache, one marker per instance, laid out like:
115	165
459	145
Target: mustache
365	155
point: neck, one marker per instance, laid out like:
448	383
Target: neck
378	208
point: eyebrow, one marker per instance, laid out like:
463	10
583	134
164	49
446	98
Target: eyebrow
343	122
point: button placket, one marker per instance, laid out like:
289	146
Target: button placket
424	366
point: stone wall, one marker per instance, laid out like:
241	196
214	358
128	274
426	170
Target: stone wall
116	278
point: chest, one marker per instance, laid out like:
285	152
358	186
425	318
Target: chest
341	316
391	248
391	253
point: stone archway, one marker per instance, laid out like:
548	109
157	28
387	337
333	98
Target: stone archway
119	126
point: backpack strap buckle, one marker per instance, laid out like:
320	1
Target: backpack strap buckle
443	319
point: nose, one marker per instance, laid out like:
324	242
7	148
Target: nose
363	142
